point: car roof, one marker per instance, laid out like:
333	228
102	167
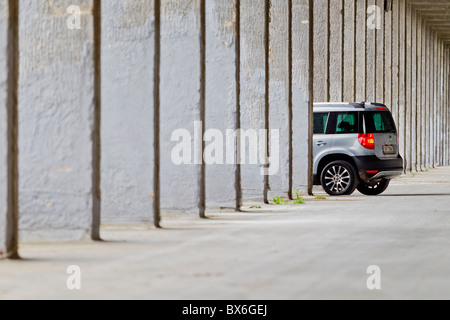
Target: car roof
347	106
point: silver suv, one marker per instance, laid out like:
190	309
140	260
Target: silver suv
356	146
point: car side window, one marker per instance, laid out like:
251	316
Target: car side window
347	122
320	123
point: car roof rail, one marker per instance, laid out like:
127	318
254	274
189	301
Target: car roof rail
361	105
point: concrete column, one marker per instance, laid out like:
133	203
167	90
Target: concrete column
402	79
181	101
321	51
360	50
433	99
253	88
440	136
302	93
128	99
395	60
413	67
446	106
388	59
428	96
222	105
423	99
349	50
8	129
336	46
280	113
380	54
371	75
59	109
408	100
419	84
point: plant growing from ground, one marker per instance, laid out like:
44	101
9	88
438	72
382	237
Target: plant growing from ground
321	197
299	197
278	200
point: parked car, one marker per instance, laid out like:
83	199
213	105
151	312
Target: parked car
356	146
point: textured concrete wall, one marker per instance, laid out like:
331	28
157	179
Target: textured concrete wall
128	49
349	50
279	94
371	54
180	101
256	71
321	51
8	130
4	16
360	56
253	86
221	97
302	93
57	121
336	50
380	54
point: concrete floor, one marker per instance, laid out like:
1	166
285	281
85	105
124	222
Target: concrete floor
319	250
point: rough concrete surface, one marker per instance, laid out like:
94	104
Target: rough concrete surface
127	134
320	250
253	87
221	96
180	101
3	125
56	110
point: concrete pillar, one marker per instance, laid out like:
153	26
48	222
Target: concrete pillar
280	113
402	79
408	100
8	129
59	109
181	104
428	65
395	60
414	89
433	99
380	54
419	97
222	105
253	86
336	64
321	51
128	40
360	49
302	93
440	111
445	106
349	50
371	75
388	59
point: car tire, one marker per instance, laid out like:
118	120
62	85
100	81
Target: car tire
373	189
338	178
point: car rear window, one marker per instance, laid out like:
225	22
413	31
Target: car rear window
379	122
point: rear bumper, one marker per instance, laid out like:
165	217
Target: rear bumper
386	169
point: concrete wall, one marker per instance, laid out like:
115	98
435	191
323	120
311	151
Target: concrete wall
222	105
128	50
57	110
198	66
8	129
180	102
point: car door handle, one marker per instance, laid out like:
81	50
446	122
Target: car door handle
321	143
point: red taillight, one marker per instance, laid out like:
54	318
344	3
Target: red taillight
372	171
367	140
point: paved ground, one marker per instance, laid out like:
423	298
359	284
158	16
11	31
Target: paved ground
319	250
